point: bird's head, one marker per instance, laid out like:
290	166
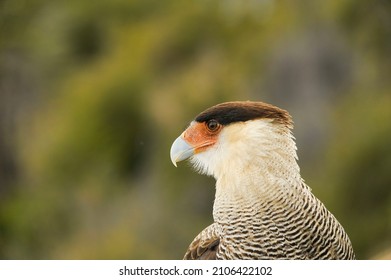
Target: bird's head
228	137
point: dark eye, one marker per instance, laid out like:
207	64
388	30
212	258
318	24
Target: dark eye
212	125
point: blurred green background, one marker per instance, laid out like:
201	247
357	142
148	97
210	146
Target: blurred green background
92	94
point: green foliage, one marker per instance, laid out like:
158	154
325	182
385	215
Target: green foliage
93	94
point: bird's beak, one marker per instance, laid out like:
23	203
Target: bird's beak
180	150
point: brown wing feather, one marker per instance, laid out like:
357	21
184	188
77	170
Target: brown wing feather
205	251
204	246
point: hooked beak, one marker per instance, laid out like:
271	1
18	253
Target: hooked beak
180	150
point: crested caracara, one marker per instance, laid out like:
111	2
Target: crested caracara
262	208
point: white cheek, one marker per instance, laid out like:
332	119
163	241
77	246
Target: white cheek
205	162
227	150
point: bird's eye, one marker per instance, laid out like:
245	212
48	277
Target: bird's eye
212	125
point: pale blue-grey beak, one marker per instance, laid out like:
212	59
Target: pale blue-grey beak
180	150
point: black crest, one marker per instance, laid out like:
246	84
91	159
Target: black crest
241	111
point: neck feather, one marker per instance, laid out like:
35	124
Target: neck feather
254	162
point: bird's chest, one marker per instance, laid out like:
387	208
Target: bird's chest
241	232
250	232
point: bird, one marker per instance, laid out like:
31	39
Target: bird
262	207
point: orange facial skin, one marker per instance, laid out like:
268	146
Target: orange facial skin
201	135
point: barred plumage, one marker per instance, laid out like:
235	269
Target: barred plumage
263	209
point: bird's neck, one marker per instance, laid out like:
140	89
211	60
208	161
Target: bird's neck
254	182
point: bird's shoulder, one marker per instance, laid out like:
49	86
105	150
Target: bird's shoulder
204	246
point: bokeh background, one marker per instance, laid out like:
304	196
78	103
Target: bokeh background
92	94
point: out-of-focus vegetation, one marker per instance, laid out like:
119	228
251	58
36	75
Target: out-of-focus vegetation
92	94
